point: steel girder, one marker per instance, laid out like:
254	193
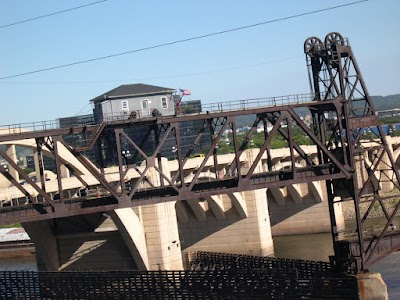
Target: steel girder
334	73
153	181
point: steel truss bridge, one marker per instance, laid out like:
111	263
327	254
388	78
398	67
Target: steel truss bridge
353	156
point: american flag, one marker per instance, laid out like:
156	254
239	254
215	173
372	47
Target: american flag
185	92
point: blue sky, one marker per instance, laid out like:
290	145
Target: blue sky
261	61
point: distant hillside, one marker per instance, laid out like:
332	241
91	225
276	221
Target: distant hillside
380	103
386	102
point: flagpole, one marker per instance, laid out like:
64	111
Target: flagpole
179	104
183	93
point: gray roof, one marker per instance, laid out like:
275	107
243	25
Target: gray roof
132	90
13	234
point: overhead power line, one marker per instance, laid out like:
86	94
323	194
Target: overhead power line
153	77
184	40
52	14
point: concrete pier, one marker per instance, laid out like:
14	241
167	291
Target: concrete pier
372	287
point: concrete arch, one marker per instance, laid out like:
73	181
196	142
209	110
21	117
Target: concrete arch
316	190
396	156
239	203
216	205
198	209
64	153
132	232
278	196
181	212
295	190
296	193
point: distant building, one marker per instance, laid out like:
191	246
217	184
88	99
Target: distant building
135	101
188	130
77	139
395	112
76	121
138	101
30	162
4	164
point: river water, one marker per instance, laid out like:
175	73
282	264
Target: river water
319	247
310	247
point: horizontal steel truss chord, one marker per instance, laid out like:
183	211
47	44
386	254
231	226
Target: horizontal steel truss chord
172	186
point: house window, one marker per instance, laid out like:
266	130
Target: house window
125	106
164	103
145	104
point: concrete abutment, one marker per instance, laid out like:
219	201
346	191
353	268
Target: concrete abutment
372	287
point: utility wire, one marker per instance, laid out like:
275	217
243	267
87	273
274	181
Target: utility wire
153	77
184	40
52	14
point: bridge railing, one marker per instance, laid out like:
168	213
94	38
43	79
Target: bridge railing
43	125
243	104
26	127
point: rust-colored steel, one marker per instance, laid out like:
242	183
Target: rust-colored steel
340	107
174	188
334	73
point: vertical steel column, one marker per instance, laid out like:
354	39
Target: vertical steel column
58	167
268	149
39	145
119	157
157	129
175	127
236	148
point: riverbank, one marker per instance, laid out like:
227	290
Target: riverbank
15	242
17	250
376	212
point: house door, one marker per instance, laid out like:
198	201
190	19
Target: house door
145	108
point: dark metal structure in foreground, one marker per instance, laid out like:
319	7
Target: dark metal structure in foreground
213	276
353	156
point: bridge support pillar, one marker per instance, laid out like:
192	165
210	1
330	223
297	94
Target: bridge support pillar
64	172
161	229
372	287
12	153
37	165
132	232
85	242
162	236
47	257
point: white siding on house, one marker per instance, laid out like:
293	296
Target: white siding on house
123	107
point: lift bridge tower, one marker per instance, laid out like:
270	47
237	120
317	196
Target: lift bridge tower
351	131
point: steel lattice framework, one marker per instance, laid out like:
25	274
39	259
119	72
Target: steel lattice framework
360	142
344	131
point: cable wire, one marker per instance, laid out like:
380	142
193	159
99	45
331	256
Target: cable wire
51	14
183	40
154	77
